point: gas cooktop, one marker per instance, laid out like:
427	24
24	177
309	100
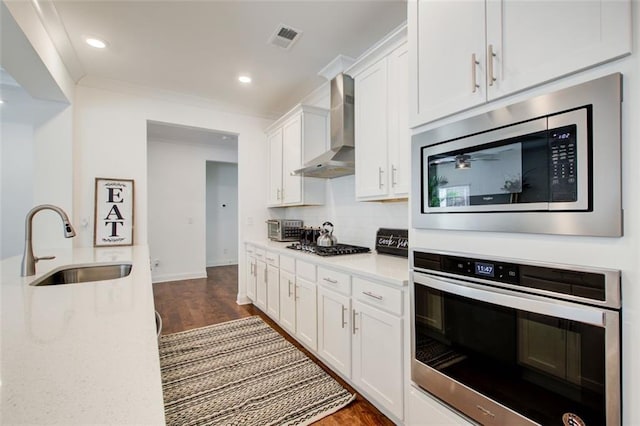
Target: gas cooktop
336	250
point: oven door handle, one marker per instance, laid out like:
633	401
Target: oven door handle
523	301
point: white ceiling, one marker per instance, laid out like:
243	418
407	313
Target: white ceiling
198	48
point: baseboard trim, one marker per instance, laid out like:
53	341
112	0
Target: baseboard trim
213	264
243	300
178	277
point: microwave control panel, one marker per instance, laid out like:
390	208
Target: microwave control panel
563	164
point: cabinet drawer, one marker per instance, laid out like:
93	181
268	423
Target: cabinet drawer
338	281
260	253
306	270
272	258
378	295
287	263
250	250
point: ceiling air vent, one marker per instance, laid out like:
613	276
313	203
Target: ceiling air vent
284	36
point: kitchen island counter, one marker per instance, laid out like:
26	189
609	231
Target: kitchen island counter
79	354
392	270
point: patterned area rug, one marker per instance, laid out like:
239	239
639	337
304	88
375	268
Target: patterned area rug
243	372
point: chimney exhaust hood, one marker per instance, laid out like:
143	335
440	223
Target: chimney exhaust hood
340	159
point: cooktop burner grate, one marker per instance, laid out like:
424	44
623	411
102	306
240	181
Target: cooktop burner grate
338	249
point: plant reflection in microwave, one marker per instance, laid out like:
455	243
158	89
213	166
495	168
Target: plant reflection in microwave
435	182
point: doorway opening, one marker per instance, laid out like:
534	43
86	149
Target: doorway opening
222	213
177	158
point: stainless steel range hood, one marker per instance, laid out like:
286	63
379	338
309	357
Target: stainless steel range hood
340	159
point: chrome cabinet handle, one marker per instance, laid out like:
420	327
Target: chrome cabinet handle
278	194
344	323
289	288
490	57
474	78
375	296
266	279
394	171
282	193
251	269
354	328
380	171
270	259
329	280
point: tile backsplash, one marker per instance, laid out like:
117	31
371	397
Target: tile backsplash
354	222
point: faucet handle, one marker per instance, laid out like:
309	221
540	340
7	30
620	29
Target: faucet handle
45	258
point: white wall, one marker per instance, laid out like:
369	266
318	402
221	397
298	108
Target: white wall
619	253
222	213
16	185
177	226
111	141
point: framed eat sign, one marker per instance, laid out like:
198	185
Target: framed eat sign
113	212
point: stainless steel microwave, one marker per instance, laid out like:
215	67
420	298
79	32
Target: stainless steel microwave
550	164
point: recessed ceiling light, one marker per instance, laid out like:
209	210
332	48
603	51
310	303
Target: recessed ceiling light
244	79
1	101
95	42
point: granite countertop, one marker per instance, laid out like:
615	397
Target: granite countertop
80	353
392	270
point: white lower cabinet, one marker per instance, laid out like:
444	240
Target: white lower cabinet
261	285
377	356
287	301
273	292
425	410
251	277
306	316
334	331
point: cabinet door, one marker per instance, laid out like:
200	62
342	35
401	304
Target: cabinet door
371	131
399	137
275	168
261	285
306	316
334	331
445	35
287	301
377	356
536	41
292	160
424	409
273	292
251	278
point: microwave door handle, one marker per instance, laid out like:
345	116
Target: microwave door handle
517	300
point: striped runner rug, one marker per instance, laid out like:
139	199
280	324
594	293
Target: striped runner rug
243	372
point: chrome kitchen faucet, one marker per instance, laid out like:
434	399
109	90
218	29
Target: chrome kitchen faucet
28	259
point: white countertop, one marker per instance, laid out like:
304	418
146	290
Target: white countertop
390	269
80	353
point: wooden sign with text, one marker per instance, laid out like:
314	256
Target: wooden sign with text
393	241
113	212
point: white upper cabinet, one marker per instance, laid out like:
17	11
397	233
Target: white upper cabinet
467	53
447	36
535	42
275	167
381	81
294	139
371	130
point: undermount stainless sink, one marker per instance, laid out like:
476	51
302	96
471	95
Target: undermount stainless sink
84	274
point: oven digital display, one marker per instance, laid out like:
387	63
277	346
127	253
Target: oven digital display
485	269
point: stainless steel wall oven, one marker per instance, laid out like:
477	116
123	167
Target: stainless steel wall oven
508	342
550	164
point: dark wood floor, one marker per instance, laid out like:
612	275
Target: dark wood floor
189	304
